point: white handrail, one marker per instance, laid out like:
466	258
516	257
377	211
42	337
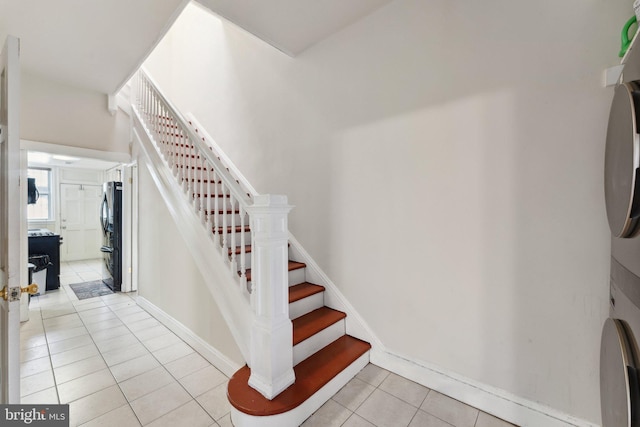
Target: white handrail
204	150
214	192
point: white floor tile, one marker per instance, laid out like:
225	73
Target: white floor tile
70	344
187	365
422	419
449	410
33	341
36	383
225	421
353	394
72	322
88	276
46	396
65	334
148	329
215	402
190	414
117	342
89	305
94	312
162	341
120	355
145	383
385	410
173	352
120	417
35	366
159	402
134	367
404	389
116	306
78	369
486	420
84	386
331	414
357	421
106	334
74	355
203	380
58	311
103	324
95	405
135	317
372	374
34	352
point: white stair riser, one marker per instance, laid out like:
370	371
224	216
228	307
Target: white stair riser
306	305
296	276
314	343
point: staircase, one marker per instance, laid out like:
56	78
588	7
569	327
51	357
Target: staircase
298	349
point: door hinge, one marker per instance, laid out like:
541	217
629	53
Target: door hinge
130	180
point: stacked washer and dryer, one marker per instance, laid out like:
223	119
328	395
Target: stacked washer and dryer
619	354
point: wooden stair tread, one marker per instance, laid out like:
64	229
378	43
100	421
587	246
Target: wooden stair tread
311	323
311	375
247	249
303	290
293	265
238	229
207	195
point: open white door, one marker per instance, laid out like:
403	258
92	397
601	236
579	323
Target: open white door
11	265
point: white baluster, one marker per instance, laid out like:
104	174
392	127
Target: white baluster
225	231
216	208
243	260
233	245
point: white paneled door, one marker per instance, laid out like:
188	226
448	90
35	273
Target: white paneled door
12	219
79	221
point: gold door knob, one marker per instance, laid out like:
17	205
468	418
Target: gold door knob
13	294
32	289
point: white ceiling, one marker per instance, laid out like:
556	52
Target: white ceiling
92	44
98	44
292	25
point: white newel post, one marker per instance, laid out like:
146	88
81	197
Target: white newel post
272	332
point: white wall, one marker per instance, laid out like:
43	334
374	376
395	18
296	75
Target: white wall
445	159
61	114
169	278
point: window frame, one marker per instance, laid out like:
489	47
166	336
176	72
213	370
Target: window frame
49	193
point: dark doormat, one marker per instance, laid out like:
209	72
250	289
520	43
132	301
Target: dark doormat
91	289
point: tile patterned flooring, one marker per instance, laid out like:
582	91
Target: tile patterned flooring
118	366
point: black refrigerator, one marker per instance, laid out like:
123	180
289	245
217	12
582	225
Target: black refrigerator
111	220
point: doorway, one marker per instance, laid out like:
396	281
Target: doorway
79	224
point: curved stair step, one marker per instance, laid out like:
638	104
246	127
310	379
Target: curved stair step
311	375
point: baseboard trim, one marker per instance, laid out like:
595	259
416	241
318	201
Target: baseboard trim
494	401
206	350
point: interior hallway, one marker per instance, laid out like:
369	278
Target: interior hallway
118	366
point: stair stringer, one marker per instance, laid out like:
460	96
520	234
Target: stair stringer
220	279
